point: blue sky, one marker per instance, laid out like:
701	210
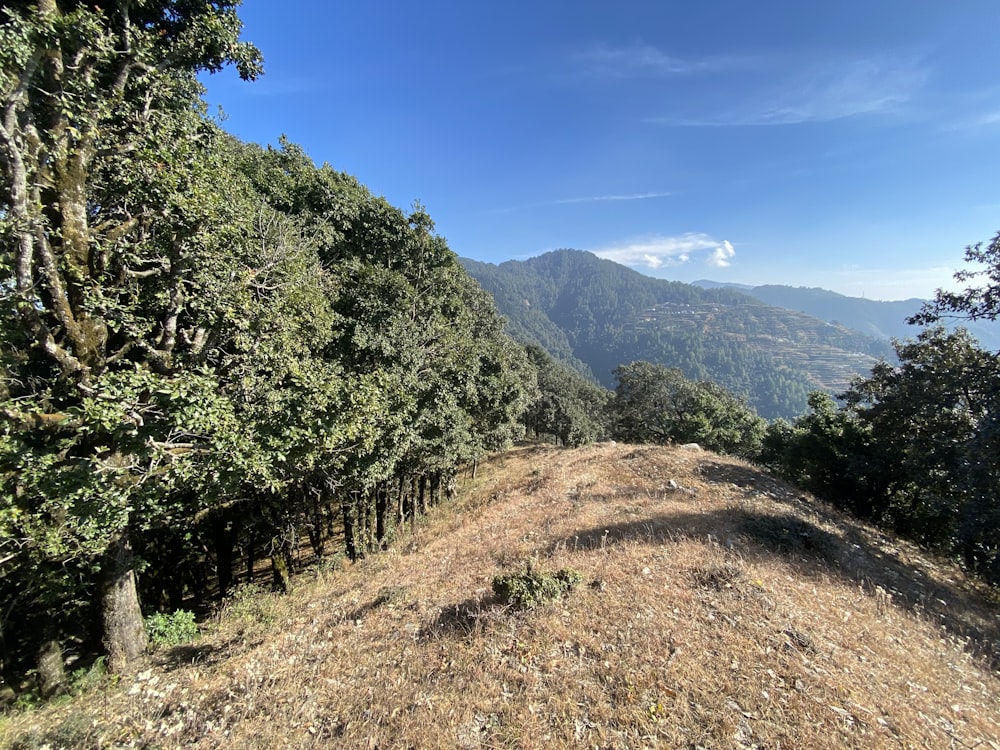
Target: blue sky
849	145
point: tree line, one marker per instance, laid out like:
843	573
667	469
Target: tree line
915	447
211	351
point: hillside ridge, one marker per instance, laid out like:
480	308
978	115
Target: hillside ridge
594	315
719	607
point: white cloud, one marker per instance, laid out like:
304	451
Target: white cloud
583	199
985	120
659	251
823	93
721	255
601	198
639	60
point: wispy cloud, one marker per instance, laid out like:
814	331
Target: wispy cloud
982	120
602	198
584	199
641	60
833	91
660	251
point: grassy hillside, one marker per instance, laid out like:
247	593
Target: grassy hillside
718	608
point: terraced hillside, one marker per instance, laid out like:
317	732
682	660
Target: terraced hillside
830	355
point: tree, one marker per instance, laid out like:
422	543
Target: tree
974	302
828	452
979	523
913	447
566	406
103	227
657	404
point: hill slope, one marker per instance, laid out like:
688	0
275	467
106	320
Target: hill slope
582	309
719	608
882	319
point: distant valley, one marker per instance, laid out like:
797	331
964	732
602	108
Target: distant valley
877	318
594	315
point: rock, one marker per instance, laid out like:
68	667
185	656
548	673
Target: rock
690	447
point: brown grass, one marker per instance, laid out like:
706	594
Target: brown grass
720	609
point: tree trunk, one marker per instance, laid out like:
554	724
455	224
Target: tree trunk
400	502
350	543
251	551
362	534
413	503
281	573
224	540
49	662
436	488
315	526
124	634
381	512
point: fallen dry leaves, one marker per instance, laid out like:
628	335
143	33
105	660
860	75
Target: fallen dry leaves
720	609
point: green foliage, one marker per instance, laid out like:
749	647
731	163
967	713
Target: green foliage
171	629
532	587
656	404
207	336
914	447
974	302
826	452
250	608
567	406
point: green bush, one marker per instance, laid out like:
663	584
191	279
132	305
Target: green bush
251	608
530	587
171	629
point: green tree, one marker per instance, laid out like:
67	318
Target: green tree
657	404
566	406
100	138
828	452
924	416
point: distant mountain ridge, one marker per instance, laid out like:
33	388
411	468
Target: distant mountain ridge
594	315
884	320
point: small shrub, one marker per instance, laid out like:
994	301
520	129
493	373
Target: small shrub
88	677
392	596
250	607
171	629
530	587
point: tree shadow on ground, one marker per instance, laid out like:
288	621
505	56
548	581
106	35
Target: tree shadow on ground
203	654
816	541
466	618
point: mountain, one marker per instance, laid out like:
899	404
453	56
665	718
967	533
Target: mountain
884	320
594	315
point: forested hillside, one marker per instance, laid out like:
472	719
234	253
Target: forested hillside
584	309
885	320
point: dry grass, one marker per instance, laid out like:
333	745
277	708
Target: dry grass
719	609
